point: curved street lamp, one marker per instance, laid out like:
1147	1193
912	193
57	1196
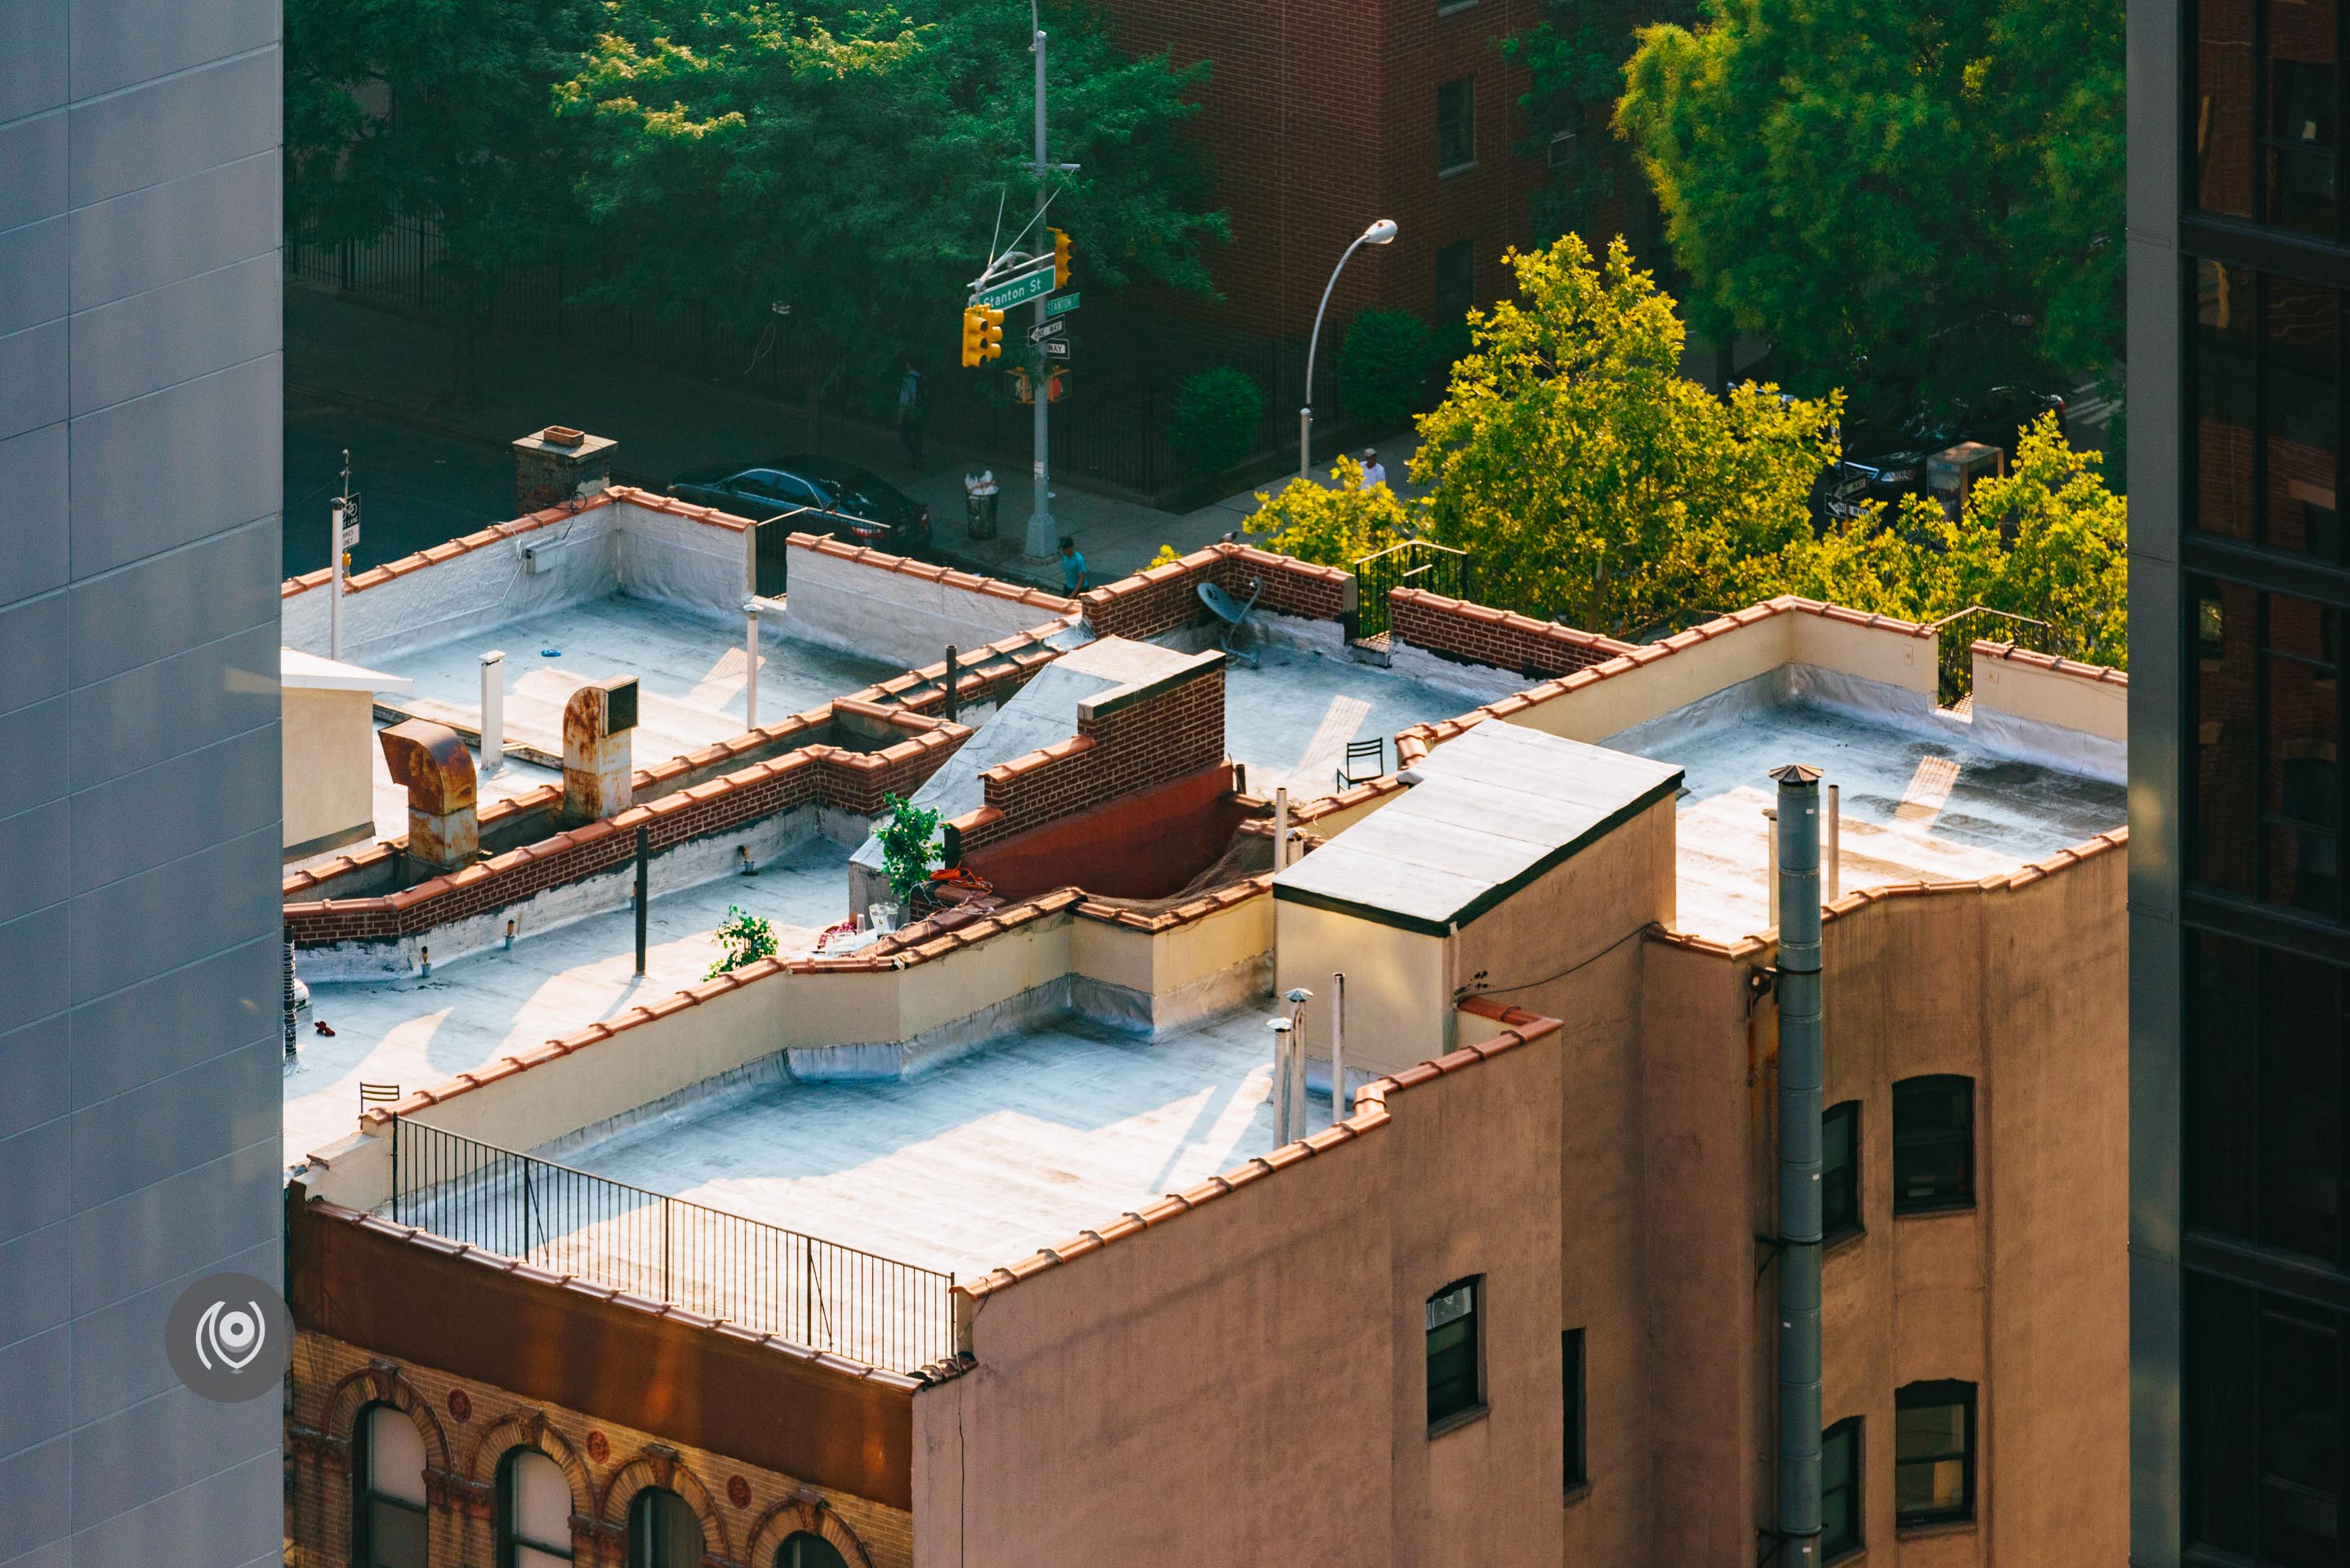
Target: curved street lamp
1379	233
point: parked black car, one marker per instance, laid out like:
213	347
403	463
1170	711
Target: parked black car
838	498
1892	455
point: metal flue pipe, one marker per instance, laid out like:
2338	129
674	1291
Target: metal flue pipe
1801	1073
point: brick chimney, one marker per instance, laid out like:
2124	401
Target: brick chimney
597	770
556	465
437	770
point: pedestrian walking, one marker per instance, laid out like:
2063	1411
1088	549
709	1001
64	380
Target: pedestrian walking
910	414
1374	471
1073	568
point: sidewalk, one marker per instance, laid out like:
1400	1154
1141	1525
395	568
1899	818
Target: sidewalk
351	354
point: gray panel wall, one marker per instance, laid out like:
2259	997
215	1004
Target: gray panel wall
140	426
2156	328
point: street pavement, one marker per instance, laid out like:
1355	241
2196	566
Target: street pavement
429	468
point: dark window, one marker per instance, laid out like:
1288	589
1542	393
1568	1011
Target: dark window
1840	1171
2227	366
2263	1406
1840	1490
2221	120
2301	408
2298	168
2265	79
1574	1412
1456	282
1456	123
801	1550
387	1497
1454	1383
662	1530
1933	1453
1933	1144
534	1511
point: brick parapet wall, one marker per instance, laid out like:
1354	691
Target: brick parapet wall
469	1426
1162	598
1124	743
1469	633
845	780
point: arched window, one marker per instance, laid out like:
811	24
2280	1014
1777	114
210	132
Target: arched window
662	1530
387	1491
802	1550
534	1511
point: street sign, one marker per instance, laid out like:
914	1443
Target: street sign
1061	304
1017	290
1055	348
1043	329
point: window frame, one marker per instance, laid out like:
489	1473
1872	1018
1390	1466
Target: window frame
646	1548
1466	87
1934	1393
1575	1411
1832	1228
1855	1481
1903	1204
1472	1342
510	1540
365	1498
834	1554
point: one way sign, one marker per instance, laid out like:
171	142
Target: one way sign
1043	329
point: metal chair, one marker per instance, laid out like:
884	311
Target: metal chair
1375	749
1234	615
378	1093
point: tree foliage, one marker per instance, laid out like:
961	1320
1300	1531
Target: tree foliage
1383	367
1574	59
1591	479
742	938
1336	525
1215	420
910	842
852	163
1912	201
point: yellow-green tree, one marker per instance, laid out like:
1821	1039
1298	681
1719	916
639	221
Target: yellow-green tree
1336	525
1591	479
2051	541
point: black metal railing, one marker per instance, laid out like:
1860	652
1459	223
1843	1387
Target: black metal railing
760	1277
1414	564
1960	630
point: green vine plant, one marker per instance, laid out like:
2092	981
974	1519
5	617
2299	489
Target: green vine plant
910	843
745	938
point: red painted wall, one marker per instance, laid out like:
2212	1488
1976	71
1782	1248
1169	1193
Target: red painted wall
1145	845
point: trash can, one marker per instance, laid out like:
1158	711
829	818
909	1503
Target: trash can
979	513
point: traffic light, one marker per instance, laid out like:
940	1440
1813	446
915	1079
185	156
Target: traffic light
974	336
991	332
1060	259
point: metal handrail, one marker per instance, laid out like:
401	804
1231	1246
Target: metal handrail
800	1288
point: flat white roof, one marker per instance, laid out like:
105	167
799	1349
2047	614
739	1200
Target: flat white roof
310	672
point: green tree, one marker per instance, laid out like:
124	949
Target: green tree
1919	201
1590	478
1215	420
1383	367
1573	59
2051	541
852	163
1336	525
742	938
435	110
910	841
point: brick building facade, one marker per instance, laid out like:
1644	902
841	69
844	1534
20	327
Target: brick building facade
1321	116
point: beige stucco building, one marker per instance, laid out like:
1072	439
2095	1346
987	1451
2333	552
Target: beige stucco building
1010	1239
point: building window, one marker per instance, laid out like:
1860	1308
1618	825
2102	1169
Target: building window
1575	1415
1456	282
1456	124
1933	1144
2267	386
1455	1386
2264	809
2263	1395
1933	1453
534	1511
1840	1490
1562	149
1840	1171
802	1550
387	1515
662	1530
2264	122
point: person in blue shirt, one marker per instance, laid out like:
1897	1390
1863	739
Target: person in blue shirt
910	414
1073	568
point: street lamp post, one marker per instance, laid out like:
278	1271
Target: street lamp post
1379	233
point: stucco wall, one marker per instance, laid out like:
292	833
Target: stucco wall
856	600
327	765
1396	977
1248	1381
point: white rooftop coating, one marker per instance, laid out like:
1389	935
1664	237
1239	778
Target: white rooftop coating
312	672
1920	800
419	1032
979	1162
1289	720
693	673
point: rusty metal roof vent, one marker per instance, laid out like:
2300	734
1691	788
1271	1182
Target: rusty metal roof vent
620	707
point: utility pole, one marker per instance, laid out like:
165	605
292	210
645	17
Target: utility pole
1043	534
345	506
